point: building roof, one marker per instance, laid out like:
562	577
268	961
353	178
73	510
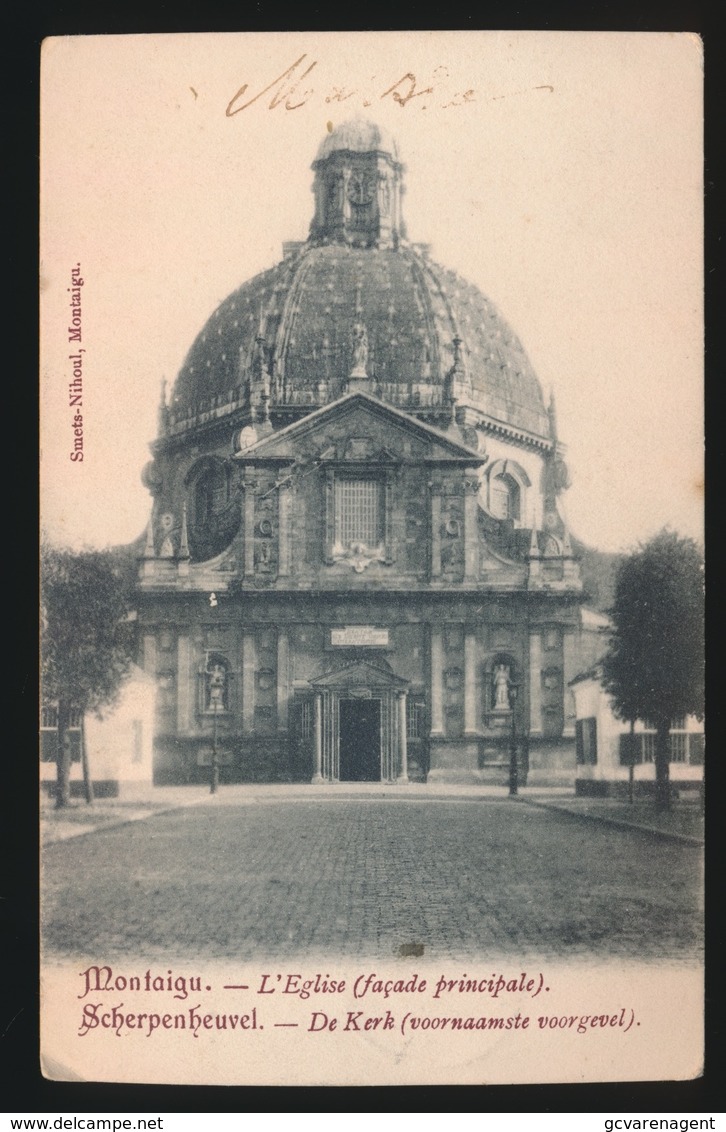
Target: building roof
450	448
358	136
424	323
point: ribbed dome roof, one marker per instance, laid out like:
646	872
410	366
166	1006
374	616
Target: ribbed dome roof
430	334
358	136
412	309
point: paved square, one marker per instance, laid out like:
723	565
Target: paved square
370	875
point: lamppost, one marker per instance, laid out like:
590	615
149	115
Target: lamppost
217	676
215	765
513	689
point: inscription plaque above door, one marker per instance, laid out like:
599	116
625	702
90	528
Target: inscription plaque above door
355	636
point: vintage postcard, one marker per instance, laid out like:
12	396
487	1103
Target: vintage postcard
366	361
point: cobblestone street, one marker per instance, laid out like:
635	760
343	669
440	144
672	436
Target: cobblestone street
371	874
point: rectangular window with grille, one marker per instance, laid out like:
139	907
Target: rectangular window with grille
685	747
49	717
415	720
358	512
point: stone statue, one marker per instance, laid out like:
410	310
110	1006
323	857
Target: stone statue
501	688
360	349
216	686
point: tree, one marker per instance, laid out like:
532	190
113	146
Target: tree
654	669
86	639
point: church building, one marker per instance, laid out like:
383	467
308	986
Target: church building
355	567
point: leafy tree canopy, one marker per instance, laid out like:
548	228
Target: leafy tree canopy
654	670
86	639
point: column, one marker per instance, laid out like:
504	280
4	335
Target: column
402	739
318	775
150	654
283	516
403	749
249	665
283	679
249	489
185	692
470	659
471	529
535	683
435	532
437	714
569	666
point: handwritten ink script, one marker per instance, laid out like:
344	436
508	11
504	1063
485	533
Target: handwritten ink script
295	88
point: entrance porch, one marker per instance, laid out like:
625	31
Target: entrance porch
360	725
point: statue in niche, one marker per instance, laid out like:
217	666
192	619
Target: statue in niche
360	349
216	687
501	688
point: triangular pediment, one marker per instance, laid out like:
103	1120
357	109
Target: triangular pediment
359	674
359	427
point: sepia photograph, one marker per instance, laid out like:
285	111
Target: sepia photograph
372	708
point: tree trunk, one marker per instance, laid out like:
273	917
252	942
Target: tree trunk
631	762
662	767
87	781
63	757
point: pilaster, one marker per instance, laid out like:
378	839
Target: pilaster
437	666
471	528
535	683
249	490
185	686
283	679
249	669
470	698
435	515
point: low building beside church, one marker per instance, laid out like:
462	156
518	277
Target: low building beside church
356	568
119	742
605	748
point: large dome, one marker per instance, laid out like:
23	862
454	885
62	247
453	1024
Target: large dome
426	327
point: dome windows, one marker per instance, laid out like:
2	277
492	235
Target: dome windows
211	492
505	497
213	519
504	491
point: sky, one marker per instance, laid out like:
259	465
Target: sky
560	172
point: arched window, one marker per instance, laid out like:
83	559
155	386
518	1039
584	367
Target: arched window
505	497
213	520
504	490
211	493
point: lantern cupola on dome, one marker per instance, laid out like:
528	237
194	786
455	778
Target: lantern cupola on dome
358	188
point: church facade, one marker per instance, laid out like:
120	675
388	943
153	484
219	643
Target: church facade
355	567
